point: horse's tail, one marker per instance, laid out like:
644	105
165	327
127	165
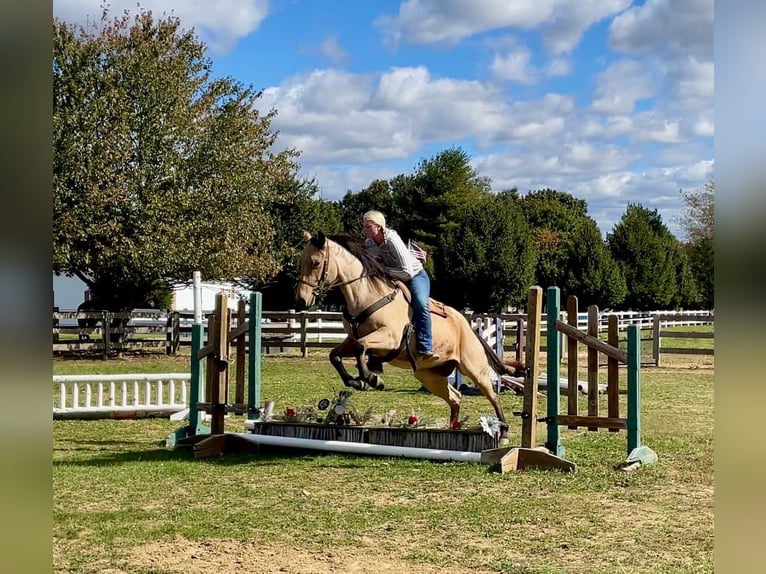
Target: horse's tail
498	365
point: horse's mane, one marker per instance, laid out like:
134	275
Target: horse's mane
355	245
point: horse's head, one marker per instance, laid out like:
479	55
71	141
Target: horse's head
315	270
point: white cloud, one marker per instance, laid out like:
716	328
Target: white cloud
515	65
620	86
219	23
332	50
678	26
563	32
434	21
562	22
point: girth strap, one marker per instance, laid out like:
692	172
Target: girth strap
404	345
364	315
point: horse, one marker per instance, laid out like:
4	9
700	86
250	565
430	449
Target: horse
377	320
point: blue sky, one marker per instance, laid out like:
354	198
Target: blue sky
609	100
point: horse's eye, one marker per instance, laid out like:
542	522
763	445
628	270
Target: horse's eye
315	264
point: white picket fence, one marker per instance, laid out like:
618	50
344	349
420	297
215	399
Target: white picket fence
119	396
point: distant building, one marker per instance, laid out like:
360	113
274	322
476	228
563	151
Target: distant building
183	295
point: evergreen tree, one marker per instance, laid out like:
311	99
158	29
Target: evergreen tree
571	254
647	255
486	259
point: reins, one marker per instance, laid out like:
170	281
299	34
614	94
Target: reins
319	288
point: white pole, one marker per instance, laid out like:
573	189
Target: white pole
362	448
197	280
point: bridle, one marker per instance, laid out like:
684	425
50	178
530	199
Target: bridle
319	288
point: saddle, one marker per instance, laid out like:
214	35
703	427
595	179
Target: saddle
375	363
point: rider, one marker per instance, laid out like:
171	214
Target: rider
385	244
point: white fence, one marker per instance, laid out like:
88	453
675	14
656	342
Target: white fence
119	396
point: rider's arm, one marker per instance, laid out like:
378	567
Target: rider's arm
405	266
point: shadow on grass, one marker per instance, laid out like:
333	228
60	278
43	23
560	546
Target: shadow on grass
265	458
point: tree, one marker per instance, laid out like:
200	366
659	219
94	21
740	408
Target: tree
377	195
571	254
429	202
698	219
159	169
486	259
698	223
650	259
701	260
296	208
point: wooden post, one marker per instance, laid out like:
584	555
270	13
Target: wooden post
572	359
613	372
553	442
304	335
520	338
239	385
634	387
56	327
656	340
254	358
105	338
195	384
218	362
593	365
529	411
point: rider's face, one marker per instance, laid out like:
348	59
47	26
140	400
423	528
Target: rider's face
371	229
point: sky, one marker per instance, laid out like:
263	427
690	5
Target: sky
608	100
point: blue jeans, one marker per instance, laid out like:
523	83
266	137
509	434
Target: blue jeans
420	287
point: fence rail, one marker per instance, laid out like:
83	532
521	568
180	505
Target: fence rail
166	331
119	396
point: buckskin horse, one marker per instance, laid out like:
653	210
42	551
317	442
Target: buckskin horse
377	320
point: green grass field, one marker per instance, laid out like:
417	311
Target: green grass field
123	503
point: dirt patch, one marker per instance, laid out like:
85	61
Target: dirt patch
230	556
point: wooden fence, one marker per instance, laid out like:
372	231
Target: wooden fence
165	331
660	331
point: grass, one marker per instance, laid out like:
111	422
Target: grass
123	503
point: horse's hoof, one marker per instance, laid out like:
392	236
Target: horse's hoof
375	381
357	384
380	387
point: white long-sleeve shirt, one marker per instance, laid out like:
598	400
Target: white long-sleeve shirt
397	259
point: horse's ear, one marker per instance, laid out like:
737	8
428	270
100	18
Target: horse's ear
319	240
306	236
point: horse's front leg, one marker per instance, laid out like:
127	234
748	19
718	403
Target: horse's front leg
347	348
379	341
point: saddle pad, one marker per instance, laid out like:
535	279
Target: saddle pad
436	307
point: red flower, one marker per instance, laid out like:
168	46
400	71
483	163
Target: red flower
455	425
289	412
413	419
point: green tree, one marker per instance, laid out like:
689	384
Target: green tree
296	208
701	257
428	202
649	257
487	255
159	168
571	253
377	195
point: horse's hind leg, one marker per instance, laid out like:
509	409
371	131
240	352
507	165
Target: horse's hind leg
439	385
480	377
